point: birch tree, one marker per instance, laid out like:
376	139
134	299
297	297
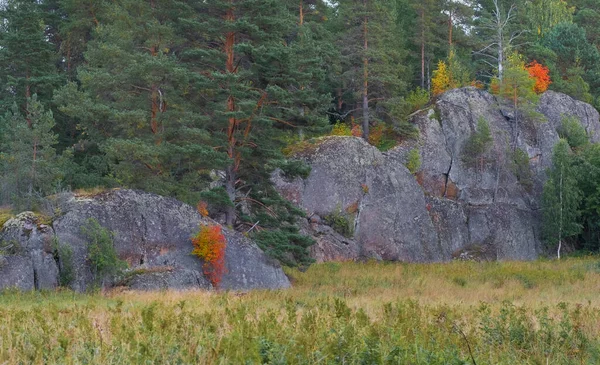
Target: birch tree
495	27
561	199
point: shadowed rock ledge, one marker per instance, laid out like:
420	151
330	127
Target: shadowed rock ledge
152	233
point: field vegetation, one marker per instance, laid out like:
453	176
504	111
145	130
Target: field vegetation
544	312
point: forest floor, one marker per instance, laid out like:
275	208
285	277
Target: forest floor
542	312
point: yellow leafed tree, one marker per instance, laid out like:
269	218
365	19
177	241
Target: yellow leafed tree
441	79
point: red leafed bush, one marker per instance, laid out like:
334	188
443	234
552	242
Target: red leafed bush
209	245
541	74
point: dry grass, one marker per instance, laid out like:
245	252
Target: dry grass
90	192
543	312
6	213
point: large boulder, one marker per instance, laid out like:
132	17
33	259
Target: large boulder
352	183
151	233
27	259
454	206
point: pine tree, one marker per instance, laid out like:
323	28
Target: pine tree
132	101
372	55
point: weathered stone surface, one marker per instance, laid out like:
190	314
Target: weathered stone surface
460	207
554	105
381	201
152	233
28	257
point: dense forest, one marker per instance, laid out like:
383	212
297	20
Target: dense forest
201	100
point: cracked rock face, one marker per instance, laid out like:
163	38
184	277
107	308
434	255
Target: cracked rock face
152	233
380	200
450	208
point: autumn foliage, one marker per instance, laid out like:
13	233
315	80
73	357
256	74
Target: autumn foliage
441	80
202	208
209	245
541	74
356	130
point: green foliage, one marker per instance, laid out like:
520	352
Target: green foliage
417	99
102	255
342	222
353	313
63	254
294	168
574	133
478	143
568	41
10	248
414	161
561	198
543	15
286	245
341	129
140	94
28	160
519	165
27	57
216	197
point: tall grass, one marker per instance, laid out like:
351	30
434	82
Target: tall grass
350	313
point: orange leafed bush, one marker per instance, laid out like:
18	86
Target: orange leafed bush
202	208
477	84
356	130
541	74
209	245
376	134
495	86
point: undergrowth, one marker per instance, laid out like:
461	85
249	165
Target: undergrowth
545	312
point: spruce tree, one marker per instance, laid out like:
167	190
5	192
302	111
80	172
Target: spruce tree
27	58
132	101
28	161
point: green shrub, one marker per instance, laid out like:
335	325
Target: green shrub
285	245
341	129
417	99
63	254
478	143
341	222
10	248
520	167
572	130
294	168
102	255
414	161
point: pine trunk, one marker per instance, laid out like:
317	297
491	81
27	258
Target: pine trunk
450	27
365	124
422	49
231	172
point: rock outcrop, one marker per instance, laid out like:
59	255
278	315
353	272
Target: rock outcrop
486	207
152	233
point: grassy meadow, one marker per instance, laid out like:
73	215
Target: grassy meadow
543	312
